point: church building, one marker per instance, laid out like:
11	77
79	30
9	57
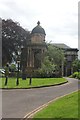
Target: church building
70	54
32	54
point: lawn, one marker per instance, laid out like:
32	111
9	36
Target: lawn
35	82
65	107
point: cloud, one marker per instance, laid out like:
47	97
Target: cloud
58	18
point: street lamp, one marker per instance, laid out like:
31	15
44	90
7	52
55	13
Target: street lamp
17	82
18	66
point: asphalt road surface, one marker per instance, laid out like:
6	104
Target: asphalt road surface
16	103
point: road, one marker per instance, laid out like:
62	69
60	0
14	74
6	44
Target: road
16	103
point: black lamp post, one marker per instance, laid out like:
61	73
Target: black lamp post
18	66
17	82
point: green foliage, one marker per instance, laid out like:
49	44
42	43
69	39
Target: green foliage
13	67
47	67
13	71
52	62
76	65
55	54
75	75
78	76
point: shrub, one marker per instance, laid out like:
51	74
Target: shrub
45	74
78	76
75	75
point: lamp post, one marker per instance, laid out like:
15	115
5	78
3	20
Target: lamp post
18	66
6	73
17	82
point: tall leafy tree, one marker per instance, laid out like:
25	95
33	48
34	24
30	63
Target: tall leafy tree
13	37
55	54
52	60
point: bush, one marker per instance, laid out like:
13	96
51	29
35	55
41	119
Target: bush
78	76
75	75
43	74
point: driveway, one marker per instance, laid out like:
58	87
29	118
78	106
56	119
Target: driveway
16	103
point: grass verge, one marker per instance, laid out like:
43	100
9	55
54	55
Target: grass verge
36	82
66	107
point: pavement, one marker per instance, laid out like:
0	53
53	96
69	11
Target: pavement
17	103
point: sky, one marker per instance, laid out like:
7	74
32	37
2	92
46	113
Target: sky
59	18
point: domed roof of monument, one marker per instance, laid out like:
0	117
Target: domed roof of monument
38	29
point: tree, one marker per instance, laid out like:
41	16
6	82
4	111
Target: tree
76	65
12	67
56	55
13	36
52	62
47	68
